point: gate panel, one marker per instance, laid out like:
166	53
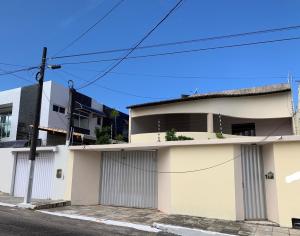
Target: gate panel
253	183
43	175
129	179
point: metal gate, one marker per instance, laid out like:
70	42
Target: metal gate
43	175
129	178
253	183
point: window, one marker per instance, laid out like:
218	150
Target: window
62	110
99	120
5	124
55	108
59	109
81	120
247	129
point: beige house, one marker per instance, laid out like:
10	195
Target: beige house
251	174
251	112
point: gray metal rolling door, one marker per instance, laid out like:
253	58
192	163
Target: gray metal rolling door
253	183
129	179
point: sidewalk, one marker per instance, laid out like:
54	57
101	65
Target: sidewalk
155	218
6	200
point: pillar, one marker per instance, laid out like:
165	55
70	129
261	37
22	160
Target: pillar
210	122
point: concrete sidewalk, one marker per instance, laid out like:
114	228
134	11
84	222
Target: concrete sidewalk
7	200
153	217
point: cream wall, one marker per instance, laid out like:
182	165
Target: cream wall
270	184
164	180
209	193
263	106
287	163
85	178
153	137
6	169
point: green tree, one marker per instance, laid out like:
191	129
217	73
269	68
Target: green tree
102	135
114	115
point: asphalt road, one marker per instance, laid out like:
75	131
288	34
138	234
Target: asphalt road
16	221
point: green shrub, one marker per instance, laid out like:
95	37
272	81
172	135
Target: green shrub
119	137
103	135
219	135
171	136
181	137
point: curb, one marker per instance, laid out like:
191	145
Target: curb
37	205
141	227
179	230
7	204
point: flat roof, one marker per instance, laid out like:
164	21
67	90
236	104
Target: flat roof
157	145
254	91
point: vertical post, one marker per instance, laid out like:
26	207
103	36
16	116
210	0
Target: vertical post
220	123
32	153
210	122
158	131
71	111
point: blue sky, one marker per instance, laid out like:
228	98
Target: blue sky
27	26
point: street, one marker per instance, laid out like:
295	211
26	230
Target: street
15	221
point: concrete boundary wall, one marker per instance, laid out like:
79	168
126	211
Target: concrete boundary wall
6	169
61	162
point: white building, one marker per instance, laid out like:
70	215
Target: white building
17	108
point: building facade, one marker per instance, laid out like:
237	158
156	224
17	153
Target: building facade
248	112
17	108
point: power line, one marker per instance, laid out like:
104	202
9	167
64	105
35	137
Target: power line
178	4
17	76
25	79
91	27
206	168
111	89
184	41
186	76
19	70
9	64
186	51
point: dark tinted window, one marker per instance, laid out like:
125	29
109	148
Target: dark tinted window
55	108
62	110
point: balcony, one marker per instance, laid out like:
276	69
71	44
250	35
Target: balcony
205	126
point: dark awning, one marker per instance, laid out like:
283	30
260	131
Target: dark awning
87	109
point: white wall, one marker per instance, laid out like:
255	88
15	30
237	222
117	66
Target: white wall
6	169
12	97
59	96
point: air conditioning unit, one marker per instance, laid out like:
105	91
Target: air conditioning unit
296	223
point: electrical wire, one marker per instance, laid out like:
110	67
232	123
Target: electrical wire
17	76
178	4
25	79
19	70
206	168
9	64
111	89
183	42
185	51
185	76
90	28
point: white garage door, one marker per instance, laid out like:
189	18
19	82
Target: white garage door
129	179
43	175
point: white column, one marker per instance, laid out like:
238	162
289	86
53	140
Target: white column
210	122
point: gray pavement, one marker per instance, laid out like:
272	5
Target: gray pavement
149	217
16	221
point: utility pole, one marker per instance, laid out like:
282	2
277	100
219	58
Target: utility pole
71	111
34	137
